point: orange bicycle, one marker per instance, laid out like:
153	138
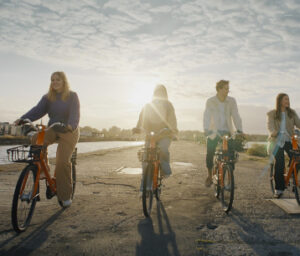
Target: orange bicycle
293	171
152	177
222	173
27	191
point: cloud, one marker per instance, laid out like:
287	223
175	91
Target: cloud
189	45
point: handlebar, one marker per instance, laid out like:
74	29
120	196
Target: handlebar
57	126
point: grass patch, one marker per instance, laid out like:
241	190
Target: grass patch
257	150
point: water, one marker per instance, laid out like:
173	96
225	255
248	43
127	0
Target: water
82	147
249	144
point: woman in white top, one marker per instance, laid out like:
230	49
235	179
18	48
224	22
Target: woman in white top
281	123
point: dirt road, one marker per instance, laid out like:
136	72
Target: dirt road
106	216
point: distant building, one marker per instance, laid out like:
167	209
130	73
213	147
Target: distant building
16	130
86	133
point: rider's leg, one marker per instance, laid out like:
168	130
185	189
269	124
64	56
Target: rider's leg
66	145
211	145
279	170
164	156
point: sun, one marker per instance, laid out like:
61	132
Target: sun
141	92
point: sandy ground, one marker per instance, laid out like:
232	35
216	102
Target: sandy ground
106	216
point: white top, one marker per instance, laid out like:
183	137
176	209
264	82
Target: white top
222	124
283	134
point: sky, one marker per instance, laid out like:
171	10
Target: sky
114	52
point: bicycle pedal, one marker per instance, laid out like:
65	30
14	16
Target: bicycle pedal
49	193
38	198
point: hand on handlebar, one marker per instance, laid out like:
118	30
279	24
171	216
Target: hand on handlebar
21	121
59	127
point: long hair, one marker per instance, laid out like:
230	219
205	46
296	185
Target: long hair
290	111
160	92
66	87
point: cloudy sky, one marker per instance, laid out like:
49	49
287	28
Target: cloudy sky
115	51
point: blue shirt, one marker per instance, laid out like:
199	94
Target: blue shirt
67	112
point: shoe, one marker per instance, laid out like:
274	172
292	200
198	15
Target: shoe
278	193
67	203
208	182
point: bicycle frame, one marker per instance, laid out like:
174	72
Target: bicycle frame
223	173
223	158
294	162
41	163
154	158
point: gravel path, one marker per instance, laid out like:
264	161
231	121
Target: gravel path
106	216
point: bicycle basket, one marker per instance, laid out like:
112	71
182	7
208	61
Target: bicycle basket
24	153
148	154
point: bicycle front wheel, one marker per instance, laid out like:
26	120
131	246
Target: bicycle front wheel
147	194
227	188
215	179
24	201
296	188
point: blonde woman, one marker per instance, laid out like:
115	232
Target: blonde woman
281	123
61	105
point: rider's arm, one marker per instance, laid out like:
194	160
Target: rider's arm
297	120
236	116
271	123
38	111
172	121
207	117
74	114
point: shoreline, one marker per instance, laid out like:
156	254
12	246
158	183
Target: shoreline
19	140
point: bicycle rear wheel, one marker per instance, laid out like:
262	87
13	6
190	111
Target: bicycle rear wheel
24	201
296	188
73	179
147	194
272	178
227	188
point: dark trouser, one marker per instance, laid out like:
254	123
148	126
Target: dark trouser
280	164
211	146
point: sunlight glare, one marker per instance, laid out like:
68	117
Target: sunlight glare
142	91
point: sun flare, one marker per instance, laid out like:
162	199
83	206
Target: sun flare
141	92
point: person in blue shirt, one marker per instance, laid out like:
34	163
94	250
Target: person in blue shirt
62	105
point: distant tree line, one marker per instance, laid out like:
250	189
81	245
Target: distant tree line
115	132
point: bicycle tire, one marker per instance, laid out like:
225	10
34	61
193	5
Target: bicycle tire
216	183
272	178
227	191
19	203
147	194
295	188
159	186
73	180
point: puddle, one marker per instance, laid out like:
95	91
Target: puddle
131	171
183	164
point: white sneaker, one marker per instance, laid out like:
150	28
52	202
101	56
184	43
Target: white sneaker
67	203
278	193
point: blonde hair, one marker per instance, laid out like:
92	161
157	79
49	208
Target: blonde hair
66	87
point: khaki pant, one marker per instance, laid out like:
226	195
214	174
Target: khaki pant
66	145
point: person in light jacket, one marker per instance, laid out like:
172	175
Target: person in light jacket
281	123
220	114
154	117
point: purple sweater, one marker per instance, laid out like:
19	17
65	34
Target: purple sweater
67	112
